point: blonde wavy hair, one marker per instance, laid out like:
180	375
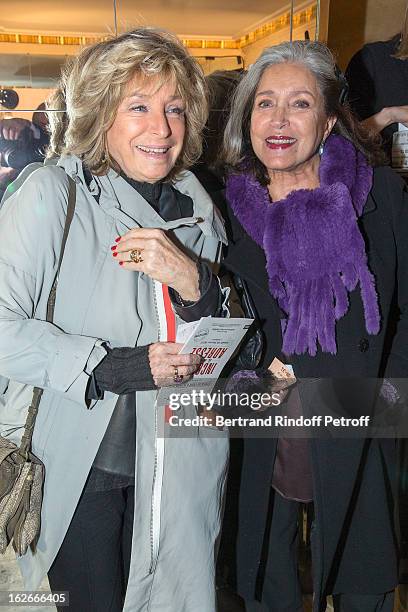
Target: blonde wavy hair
93	85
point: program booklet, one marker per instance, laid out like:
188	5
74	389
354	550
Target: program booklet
215	339
399	151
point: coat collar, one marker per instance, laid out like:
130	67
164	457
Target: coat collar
121	201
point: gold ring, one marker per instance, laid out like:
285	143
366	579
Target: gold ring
136	256
178	378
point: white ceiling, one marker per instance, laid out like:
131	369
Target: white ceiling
187	18
222	18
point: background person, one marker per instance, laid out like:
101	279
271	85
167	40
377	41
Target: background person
378	81
221	85
378	84
129	519
324	238
21	143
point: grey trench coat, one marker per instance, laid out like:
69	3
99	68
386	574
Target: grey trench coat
179	481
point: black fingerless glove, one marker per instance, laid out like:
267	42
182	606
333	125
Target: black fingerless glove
123	370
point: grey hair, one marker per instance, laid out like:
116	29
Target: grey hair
315	56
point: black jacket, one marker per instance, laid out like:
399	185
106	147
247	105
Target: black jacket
354	478
378	80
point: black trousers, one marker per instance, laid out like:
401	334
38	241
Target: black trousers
281	588
93	561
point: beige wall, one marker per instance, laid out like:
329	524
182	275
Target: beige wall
352	23
30	98
384	18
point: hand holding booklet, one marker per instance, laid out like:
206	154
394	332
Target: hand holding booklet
215	339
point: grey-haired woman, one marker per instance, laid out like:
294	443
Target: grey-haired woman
323	234
129	519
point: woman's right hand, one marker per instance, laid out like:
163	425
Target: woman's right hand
387	116
166	363
399	114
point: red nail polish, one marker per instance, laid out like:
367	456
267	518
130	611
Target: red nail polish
115	254
118	238
113	248
121	263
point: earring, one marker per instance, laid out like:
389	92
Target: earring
105	157
105	154
321	148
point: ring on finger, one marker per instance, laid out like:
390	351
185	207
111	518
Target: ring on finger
136	256
178	378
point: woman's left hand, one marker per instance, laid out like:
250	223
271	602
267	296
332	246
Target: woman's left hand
160	258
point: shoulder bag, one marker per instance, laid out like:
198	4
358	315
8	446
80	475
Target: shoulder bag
21	472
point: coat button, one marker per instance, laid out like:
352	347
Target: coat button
363	345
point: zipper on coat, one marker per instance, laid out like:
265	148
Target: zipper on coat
155	508
155	512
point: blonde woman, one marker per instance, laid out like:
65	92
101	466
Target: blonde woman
129	519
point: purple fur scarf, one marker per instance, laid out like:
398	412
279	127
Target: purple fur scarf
314	250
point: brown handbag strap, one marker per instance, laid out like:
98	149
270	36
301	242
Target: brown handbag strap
25	444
